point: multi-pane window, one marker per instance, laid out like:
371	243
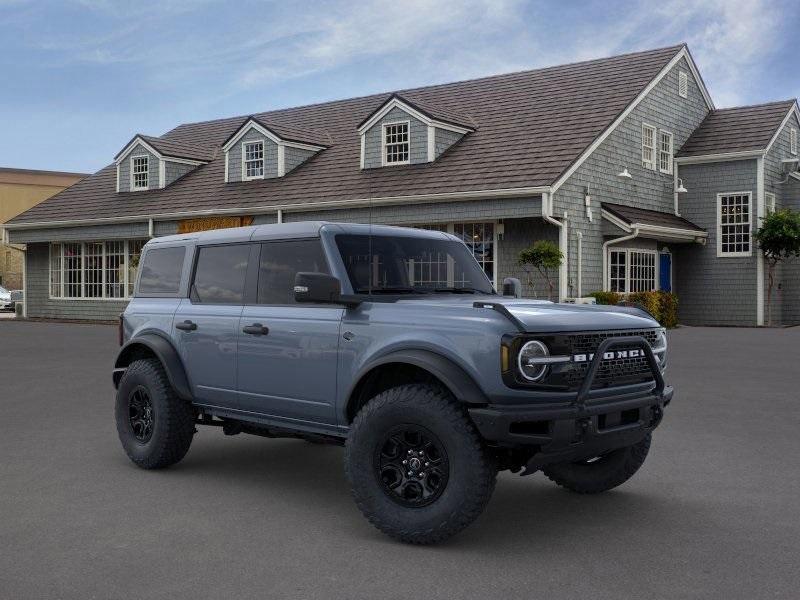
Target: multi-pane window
396	143
632	271
479	237
665	152
140	166
683	84
793	140
94	269
769	199
733	229
648	146
253	160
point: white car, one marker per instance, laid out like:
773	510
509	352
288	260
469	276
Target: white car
5	299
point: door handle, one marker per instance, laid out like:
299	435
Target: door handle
186	326
256	329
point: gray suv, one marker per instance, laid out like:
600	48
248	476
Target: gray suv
391	342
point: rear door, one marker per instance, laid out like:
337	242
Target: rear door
288	352
207	323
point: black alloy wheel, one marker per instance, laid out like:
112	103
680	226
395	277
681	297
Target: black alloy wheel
140	414
411	465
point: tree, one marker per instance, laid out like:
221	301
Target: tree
543	256
779	239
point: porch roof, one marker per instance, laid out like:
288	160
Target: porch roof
652	223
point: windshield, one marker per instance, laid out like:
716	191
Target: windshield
410	265
3	290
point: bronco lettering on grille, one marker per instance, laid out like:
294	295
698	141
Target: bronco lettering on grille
618	354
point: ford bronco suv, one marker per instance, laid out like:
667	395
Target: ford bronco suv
392	342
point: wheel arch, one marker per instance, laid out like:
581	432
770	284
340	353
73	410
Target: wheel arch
152	345
407	366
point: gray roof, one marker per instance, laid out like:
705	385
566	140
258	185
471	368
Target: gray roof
631	215
530	127
739	129
175	148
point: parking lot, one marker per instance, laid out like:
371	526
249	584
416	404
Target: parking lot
714	512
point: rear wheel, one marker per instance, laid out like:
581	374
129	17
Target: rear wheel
416	466
600	473
153	424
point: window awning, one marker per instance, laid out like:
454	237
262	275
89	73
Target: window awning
653	224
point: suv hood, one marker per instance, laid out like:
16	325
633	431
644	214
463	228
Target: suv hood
542	316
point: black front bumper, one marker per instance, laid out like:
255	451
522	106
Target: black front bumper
587	426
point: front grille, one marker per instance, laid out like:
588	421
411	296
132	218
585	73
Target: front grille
612	371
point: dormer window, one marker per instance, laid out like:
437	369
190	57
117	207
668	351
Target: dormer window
140	169
253	166
396	148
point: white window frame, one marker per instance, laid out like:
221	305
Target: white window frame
665	154
263	160
649	164
133	159
450	227
720	253
61	286
769	202
384	126
793	141
683	84
627	278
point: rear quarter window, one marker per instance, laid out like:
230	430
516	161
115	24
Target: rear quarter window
161	271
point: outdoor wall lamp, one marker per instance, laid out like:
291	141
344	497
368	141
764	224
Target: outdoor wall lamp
680	189
625	174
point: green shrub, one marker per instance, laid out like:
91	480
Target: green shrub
606	297
662	305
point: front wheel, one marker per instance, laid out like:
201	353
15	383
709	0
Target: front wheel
601	473
416	466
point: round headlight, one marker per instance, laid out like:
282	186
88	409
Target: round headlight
529	367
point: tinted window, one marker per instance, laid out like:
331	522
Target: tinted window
161	271
280	262
220	274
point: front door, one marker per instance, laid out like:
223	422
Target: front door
665	271
288	352
207	323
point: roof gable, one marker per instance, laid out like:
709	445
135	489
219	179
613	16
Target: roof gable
420	110
167	149
280	134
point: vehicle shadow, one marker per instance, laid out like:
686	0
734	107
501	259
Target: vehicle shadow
531	512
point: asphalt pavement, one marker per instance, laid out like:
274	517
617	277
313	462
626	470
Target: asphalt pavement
714	512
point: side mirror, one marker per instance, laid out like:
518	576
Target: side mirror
319	288
512	287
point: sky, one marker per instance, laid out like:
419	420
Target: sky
81	77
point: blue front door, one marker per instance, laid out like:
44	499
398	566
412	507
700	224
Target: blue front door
665	272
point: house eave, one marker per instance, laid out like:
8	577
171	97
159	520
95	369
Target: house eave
295	207
719	157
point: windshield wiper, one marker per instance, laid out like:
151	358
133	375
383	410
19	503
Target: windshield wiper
389	290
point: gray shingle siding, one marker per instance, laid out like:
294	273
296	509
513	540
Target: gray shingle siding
125	169
418	139
437	212
270	156
648	189
715	290
786	288
443	139
174	170
294	157
121	231
40	305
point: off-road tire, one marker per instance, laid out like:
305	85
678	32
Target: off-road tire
607	472
173	418
471	474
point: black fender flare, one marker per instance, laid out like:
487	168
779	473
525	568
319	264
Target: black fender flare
165	352
462	385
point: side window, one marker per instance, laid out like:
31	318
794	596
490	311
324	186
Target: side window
161	271
220	274
280	262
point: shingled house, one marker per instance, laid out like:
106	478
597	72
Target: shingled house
623	161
